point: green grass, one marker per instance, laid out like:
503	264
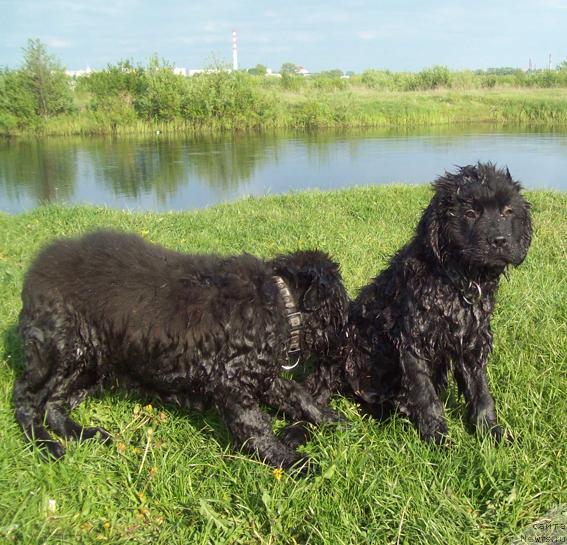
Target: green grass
172	478
354	106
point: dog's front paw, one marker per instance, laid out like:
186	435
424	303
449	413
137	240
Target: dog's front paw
304	467
295	435
51	450
501	436
333	417
497	433
433	430
485	423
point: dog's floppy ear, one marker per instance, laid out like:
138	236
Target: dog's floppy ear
526	235
508	175
314	294
359	378
431	227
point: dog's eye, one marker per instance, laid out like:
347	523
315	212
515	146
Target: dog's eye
471	214
507	211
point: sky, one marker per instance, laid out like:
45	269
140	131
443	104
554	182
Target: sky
319	35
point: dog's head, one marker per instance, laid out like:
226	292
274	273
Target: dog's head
316	283
477	219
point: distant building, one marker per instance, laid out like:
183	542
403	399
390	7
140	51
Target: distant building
196	71
180	71
302	71
78	73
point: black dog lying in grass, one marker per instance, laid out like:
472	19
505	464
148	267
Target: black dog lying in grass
429	311
110	309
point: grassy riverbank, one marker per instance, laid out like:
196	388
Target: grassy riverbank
172	478
354	107
39	98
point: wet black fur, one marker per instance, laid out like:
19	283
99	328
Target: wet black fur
429	311
111	309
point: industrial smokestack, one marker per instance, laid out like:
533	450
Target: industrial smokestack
234	52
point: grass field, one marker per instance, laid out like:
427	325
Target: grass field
171	478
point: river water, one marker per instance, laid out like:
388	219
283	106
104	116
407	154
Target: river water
183	173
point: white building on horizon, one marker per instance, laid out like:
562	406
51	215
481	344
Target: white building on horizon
78	73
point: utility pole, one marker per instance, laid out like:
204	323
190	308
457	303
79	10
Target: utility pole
234	52
549	65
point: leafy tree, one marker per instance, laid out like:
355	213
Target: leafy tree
258	70
162	93
122	78
112	92
333	74
46	80
289	68
17	104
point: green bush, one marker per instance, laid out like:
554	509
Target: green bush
433	78
225	99
161	92
17	104
291	82
382	80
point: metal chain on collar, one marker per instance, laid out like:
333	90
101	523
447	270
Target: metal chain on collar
295	321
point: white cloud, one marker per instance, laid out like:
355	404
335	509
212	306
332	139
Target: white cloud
367	34
554	4
58	43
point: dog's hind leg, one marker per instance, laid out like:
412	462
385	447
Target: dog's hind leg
67	391
62	397
63	425
56	377
252	430
31	420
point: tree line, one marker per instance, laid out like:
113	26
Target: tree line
124	93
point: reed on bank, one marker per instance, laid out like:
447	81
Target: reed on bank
353	108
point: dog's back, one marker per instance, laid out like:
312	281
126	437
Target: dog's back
115	277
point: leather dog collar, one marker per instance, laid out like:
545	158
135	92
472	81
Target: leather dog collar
294	319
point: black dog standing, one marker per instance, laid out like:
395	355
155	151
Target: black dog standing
112	309
429	311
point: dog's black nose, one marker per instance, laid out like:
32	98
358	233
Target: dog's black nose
500	241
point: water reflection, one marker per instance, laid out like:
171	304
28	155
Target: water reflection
42	170
229	162
162	173
134	168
